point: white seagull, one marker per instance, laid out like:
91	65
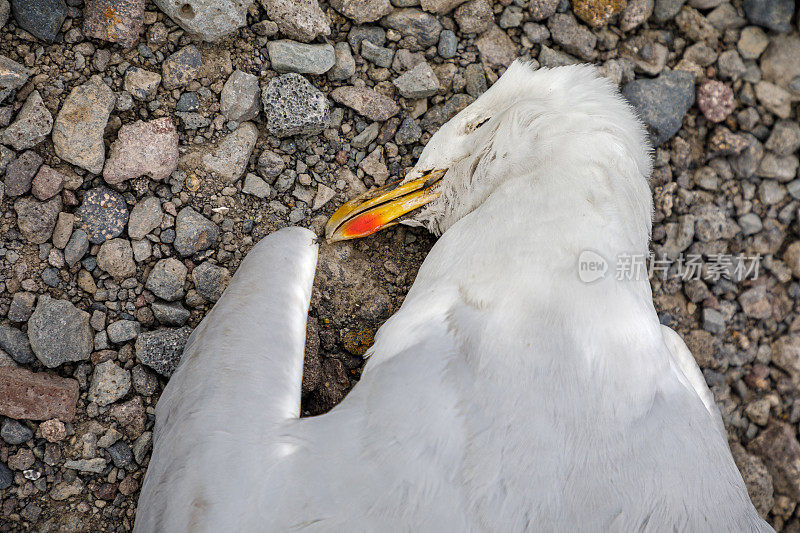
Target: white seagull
505	395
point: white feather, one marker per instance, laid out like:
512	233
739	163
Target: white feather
505	394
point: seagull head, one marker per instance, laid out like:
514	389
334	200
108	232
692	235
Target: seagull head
529	119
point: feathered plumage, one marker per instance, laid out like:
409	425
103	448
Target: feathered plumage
504	395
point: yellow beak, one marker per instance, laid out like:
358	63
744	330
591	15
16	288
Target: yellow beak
380	208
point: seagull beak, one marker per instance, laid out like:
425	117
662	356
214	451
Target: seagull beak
380	208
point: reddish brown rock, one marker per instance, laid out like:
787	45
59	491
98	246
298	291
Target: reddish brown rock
143	148
30	395
131	415
715	100
118	21
47	183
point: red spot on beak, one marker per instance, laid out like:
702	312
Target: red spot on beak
363	225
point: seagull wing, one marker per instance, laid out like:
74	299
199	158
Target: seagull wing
238	379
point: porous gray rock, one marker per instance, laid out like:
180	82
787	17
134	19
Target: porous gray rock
59	332
294	107
161	349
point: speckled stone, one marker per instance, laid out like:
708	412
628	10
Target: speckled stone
543	9
715	100
161	349
117	21
102	215
181	67
362	11
301	20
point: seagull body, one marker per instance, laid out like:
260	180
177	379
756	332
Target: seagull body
504	395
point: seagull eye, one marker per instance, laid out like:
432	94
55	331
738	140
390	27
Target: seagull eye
474	126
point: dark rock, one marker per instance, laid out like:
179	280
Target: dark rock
14	432
161	349
194	232
423	27
41	18
166	279
775	15
20	173
662	102
117	21
210	280
170	313
15	343
181	67
36	220
102	215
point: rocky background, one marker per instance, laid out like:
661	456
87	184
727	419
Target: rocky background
145	148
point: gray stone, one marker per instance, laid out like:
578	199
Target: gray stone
109	383
142	84
59	332
358	34
102	214
780	62
76	248
511	17
543	9
122	331
20	173
636	12
419	82
32	125
194	232
41	18
363	139
775	15
302	58
294	107
15	343
782	168
210	280
166	279
345	65
496	48
210	19
161	349
6	477
362	11
181	67
785	138
778	447
665	10
189	101
240	97
409	132
366	101
14	432
92	466
713	321
21	306
12	74
750	224
170	314
80	124
662	102
377	55
440	7
36	220
438	115
573	37
255	186
145	216
448	44
423	27
756	478
47	183
270	165
752	42
770	192
301	20
774	98
229	159
474	17
116	258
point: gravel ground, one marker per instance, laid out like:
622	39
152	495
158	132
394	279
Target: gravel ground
145	147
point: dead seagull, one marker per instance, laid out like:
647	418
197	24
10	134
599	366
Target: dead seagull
506	394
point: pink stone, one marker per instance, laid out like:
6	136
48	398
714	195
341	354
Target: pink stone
47	183
715	100
30	395
143	148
